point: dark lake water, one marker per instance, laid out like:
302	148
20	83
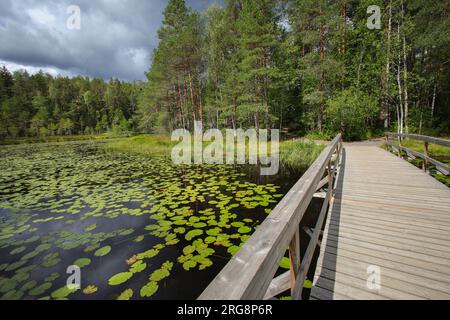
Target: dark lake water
139	227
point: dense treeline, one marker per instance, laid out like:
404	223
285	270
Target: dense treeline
306	65
41	105
297	65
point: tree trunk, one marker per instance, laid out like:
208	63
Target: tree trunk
433	101
200	105
322	73
399	83
405	75
192	98
387	70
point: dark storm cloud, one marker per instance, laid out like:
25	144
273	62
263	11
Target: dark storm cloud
115	40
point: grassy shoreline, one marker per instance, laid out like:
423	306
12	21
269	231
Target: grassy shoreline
294	154
50	139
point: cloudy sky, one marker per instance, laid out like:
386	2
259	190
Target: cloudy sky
115	39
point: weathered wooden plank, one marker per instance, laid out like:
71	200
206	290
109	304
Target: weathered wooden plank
396	290
278	285
344	264
390	214
387	243
439	165
420	226
403	237
383	262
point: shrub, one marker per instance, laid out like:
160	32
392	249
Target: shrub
351	111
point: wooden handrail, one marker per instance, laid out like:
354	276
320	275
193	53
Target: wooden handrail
248	275
434	140
427	160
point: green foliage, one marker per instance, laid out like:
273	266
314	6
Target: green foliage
351	113
41	105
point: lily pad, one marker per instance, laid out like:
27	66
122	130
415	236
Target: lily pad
126	295
102	251
37	291
285	263
90	289
193	233
82	262
63	292
149	289
244	229
120	278
139	266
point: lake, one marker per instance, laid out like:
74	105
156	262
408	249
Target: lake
137	227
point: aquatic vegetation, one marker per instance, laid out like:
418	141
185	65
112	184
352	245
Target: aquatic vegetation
39	290
82	262
90	289
285	263
120	278
149	289
126	295
63	292
139	266
102	251
74	204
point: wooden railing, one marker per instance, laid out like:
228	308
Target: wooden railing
249	275
412	154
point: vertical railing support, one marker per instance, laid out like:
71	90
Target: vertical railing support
294	257
400	145
425	160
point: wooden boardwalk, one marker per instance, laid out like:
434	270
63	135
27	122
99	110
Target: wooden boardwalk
390	216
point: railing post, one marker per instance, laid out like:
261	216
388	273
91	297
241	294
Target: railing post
294	257
425	152
400	146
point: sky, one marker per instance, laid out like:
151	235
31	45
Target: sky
115	38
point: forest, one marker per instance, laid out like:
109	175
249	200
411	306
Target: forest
303	66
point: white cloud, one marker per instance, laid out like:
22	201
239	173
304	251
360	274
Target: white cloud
116	38
11	66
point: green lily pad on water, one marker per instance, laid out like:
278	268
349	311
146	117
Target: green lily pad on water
149	289
193	233
126	295
18	250
244	229
63	292
37	291
90	227
102	251
8	285
285	263
82	262
120	278
52	277
138	266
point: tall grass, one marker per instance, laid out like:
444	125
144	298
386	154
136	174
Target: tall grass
297	155
50	139
433	149
143	144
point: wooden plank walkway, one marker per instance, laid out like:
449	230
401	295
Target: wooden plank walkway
390	215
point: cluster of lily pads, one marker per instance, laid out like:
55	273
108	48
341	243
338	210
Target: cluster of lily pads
72	204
